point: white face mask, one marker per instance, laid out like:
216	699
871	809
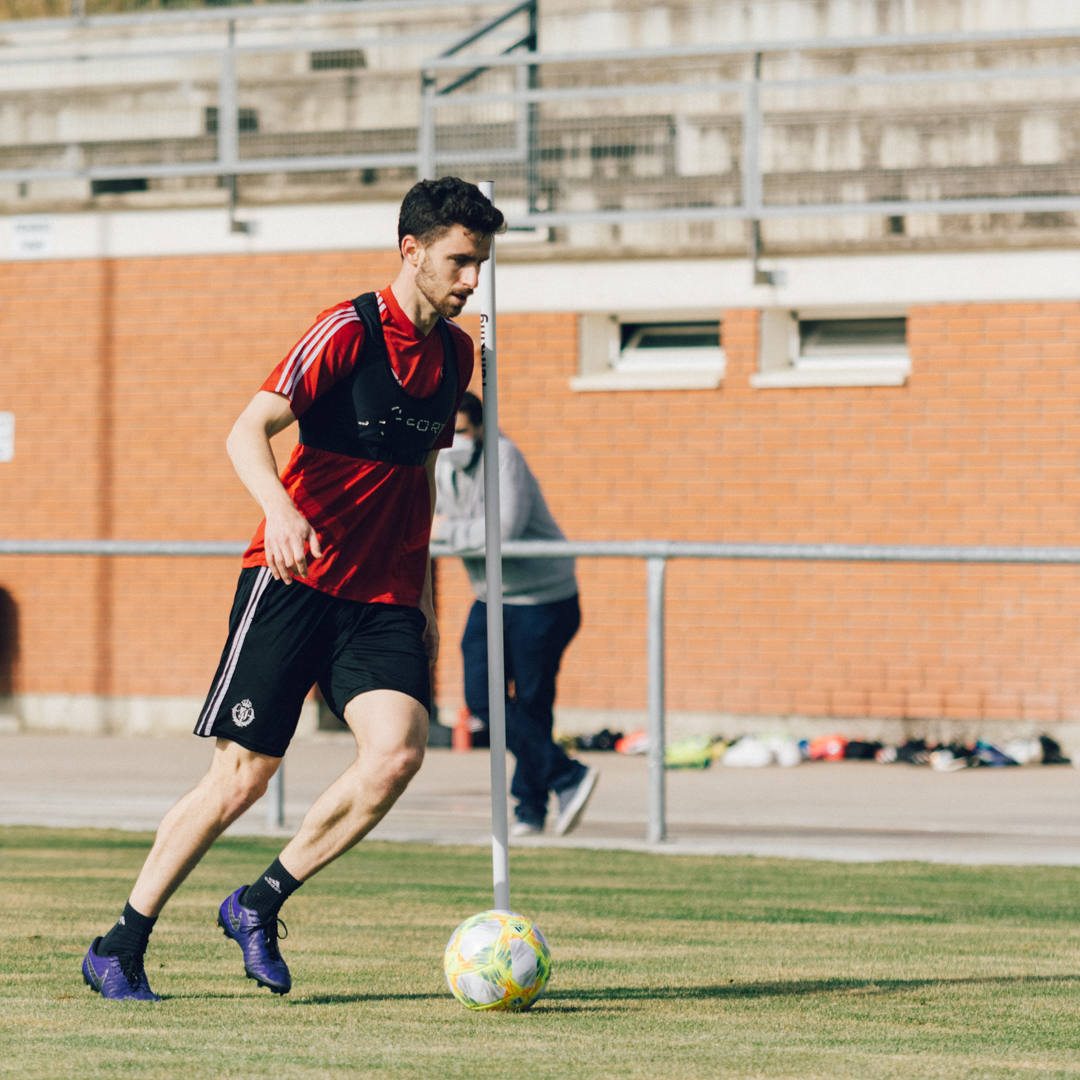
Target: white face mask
460	453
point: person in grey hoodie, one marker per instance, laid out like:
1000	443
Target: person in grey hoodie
541	615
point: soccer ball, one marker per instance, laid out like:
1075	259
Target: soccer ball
497	960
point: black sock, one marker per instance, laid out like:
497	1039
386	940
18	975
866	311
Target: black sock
266	895
129	935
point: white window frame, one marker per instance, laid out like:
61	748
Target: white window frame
784	364
605	364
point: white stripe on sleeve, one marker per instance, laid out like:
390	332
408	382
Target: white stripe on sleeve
309	347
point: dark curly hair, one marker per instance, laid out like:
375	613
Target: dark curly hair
432	207
472	407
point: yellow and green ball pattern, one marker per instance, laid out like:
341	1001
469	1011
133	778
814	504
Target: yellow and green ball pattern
497	960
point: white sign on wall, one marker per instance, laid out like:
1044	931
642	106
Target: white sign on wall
31	236
7	436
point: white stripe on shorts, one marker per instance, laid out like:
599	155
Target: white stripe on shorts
217	694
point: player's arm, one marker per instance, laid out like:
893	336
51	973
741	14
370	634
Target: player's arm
288	534
427	602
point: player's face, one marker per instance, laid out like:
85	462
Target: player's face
449	269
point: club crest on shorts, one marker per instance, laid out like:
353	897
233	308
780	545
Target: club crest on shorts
243	712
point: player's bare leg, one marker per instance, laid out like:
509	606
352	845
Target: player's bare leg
236	779
391	731
113	965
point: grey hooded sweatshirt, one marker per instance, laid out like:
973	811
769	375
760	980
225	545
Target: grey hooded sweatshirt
524	516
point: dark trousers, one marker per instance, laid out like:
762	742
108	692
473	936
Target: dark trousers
535	636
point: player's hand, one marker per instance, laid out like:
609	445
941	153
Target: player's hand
288	541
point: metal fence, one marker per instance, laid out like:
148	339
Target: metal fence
728	132
890	132
655	554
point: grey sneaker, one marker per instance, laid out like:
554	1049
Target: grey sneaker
526	828
572	802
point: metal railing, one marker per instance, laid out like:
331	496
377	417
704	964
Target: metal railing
219	44
656	554
545	122
688	134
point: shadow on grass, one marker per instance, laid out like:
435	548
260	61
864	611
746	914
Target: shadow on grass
792	988
574	1000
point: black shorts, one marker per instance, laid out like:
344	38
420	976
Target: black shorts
284	639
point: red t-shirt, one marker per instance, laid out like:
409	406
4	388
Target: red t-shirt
373	518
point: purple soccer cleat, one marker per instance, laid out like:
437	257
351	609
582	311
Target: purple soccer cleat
115	978
257	941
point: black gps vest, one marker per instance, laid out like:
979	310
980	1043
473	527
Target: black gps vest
368	415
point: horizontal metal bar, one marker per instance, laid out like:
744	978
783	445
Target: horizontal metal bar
998	74
294	44
482	157
549	219
533	58
1019	204
240	167
203	548
677	549
743	48
737	86
893	207
14	27
617	549
231	13
593	93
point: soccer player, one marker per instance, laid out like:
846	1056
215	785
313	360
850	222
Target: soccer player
335	588
541	615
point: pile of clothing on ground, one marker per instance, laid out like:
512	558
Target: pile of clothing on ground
757	751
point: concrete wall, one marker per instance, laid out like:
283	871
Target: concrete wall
957	138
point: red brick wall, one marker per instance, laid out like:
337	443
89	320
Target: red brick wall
125	376
979	448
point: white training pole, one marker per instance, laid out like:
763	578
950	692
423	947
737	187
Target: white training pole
500	855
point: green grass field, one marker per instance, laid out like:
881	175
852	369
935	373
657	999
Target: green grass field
664	967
